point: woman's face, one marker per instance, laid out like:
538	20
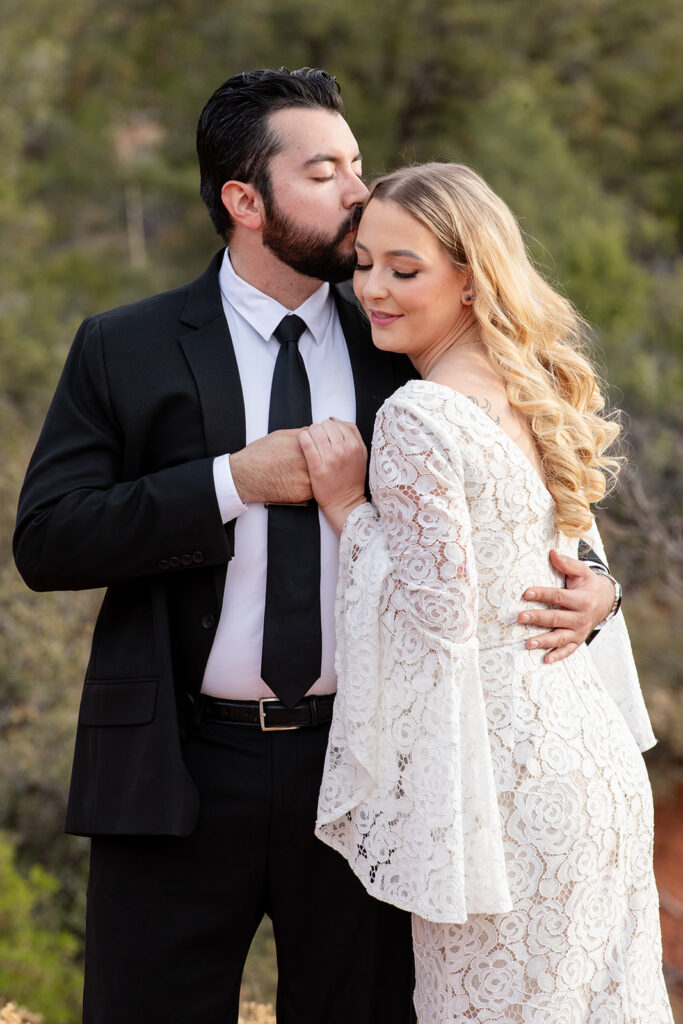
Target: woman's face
412	293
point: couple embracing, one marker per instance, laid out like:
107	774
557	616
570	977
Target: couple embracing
463	831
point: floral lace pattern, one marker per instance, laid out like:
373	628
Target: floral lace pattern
502	801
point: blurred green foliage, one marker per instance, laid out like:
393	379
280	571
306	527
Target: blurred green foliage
38	957
571	110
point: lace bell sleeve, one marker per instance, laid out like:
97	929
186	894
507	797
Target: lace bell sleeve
408	794
611	652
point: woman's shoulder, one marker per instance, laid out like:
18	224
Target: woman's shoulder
427	416
431	402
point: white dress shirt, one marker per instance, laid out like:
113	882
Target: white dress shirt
234	666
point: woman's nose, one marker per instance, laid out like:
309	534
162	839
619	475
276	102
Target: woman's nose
374	286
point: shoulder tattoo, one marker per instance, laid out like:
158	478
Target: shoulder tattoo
485	405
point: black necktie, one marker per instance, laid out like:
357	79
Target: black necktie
292	642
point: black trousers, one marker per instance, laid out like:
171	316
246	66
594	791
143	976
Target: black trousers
170	920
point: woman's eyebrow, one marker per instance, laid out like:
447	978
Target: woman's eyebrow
393	252
404	252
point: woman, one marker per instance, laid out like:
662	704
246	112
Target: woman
501	799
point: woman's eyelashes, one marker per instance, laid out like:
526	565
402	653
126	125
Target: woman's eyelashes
396	273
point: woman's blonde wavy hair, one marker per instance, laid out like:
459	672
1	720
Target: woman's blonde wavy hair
533	335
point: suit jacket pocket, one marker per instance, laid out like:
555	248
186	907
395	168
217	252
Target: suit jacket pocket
118	701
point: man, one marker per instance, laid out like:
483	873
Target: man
169	471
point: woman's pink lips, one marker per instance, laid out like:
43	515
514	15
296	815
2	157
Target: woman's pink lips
383	319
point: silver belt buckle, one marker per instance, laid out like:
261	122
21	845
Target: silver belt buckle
262	717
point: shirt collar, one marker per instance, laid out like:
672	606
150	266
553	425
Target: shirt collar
264	313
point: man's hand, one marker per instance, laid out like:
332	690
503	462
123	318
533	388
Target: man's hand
272	468
574	612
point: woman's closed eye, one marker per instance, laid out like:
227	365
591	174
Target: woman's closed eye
396	273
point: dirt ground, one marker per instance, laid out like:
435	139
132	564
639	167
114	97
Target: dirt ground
669	872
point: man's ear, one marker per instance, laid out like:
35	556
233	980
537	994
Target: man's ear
244	204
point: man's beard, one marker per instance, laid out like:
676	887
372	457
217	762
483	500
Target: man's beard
306	250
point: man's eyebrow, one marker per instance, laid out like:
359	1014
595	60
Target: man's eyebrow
329	158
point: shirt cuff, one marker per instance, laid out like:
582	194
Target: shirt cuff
229	502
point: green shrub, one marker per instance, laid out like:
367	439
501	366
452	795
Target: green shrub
37	965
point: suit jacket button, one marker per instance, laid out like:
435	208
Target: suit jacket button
198	557
174	561
208	620
163	564
186	560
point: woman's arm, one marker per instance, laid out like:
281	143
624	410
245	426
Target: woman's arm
408	794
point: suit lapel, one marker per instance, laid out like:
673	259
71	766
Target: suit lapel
210	355
211	358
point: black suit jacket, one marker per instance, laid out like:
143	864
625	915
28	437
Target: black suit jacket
119	494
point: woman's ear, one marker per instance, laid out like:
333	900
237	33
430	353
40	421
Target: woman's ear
244	204
467	294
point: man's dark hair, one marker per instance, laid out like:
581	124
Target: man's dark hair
234	140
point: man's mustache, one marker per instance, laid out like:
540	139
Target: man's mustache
352	221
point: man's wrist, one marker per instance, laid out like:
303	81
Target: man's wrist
616	603
250	475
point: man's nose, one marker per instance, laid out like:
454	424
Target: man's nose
355	193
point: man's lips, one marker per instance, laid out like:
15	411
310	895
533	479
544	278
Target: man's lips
383	319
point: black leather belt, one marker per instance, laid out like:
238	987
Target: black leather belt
269	713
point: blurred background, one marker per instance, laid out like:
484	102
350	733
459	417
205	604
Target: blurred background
571	109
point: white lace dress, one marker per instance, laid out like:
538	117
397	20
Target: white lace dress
502	801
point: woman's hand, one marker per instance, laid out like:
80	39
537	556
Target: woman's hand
336	459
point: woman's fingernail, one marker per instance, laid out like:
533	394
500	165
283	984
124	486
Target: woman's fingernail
532	644
531	594
524	617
